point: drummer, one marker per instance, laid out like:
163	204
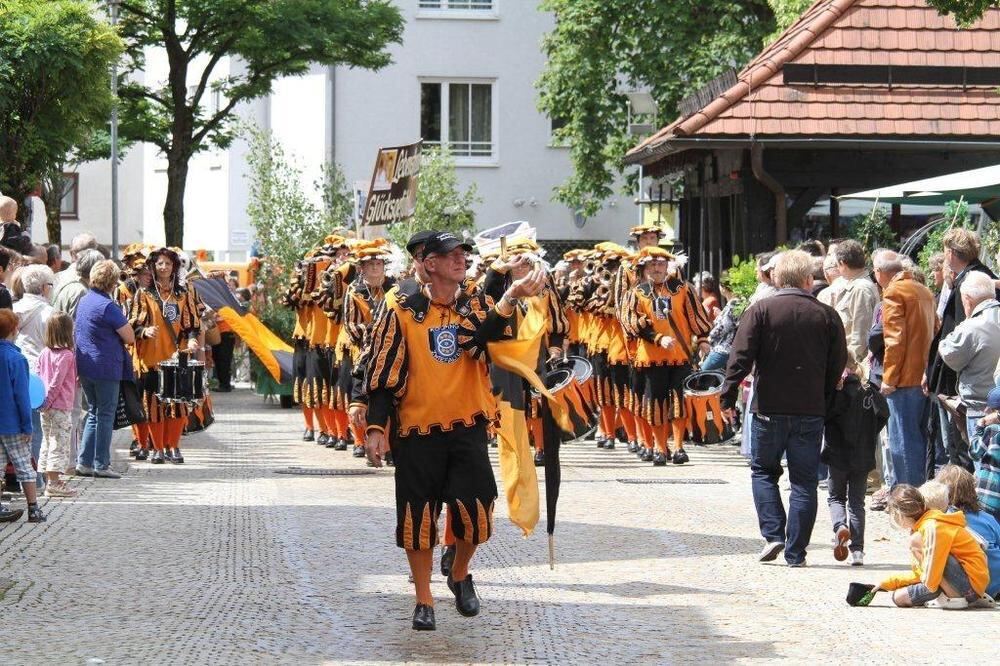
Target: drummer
166	322
137	277
668	316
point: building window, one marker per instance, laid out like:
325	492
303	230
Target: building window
459	115
461	5
556	123
69	207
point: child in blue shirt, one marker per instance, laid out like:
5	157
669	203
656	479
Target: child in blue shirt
15	424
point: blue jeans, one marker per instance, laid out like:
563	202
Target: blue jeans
907	444
714	361
99	422
798	438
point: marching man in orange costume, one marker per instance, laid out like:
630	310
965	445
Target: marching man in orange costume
668	318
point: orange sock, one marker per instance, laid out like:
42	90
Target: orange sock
660	435
173	430
340	422
142	434
326	424
679	427
628	422
308	414
449	535
645	433
157	431
535	429
608	421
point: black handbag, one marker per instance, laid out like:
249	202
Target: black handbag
130	410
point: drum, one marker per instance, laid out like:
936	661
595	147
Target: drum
583	373
182	381
703	401
565	390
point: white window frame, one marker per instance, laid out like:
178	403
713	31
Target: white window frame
445	11
463	161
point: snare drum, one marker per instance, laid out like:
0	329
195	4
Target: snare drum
565	390
703	400
182	381
583	373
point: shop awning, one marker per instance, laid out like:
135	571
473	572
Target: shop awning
978	186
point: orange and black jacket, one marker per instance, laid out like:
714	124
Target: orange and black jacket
145	311
429	362
668	310
360	305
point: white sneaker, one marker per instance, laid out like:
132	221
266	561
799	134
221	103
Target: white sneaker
59	491
985	601
947	603
857	558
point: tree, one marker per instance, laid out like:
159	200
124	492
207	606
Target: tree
600	48
873	230
956	214
265	40
787	12
55	88
440	204
965	12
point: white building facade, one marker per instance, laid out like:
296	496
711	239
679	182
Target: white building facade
464	76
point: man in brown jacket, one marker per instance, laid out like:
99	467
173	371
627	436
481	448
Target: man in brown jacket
909	321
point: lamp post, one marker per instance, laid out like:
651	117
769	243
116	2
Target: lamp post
113	13
641	103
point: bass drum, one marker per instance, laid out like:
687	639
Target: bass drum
565	391
703	401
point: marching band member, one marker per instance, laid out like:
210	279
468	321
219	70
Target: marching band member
137	277
165	318
295	299
334	276
667	317
428	361
365	296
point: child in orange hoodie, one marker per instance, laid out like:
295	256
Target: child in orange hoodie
946	558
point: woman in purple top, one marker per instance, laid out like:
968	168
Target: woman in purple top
102	363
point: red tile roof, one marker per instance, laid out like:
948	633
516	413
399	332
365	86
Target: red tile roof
856	32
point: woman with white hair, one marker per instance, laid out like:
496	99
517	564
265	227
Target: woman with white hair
33	311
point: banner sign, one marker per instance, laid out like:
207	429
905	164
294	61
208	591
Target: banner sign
392	195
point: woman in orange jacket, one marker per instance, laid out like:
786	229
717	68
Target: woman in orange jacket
945	557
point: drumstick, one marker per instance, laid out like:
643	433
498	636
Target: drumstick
503	248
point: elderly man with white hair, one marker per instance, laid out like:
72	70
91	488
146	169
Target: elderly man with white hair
80	244
33	310
973	348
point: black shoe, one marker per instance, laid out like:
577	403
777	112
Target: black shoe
308	435
359	452
323	439
8	515
493	443
601	442
332	443
647	455
466	600
539	458
389	462
681	457
447	559
177	458
342	445
633	447
609	445
157	458
142	454
36	516
423	618
659	460
133	448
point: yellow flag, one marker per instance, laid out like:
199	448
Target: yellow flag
517	468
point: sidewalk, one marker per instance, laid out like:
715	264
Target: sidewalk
224	561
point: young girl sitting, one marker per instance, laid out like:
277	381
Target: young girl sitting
944	555
962	496
57	369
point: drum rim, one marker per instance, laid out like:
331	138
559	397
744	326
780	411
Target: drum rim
690	378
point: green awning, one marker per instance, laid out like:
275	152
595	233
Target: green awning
977	186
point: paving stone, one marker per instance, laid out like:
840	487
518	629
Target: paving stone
223	561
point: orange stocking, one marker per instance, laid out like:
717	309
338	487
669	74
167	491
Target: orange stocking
535	429
307	414
142	434
449	535
645	433
157	431
327	423
608	421
173	430
628	422
678	428
660	434
340	423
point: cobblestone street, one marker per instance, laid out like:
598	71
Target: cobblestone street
223	561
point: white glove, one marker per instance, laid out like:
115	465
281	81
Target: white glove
666	342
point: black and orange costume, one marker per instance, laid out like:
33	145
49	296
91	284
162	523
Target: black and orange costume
428	380
134	264
669	319
174	313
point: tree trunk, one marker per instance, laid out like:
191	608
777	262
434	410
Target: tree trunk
173	208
